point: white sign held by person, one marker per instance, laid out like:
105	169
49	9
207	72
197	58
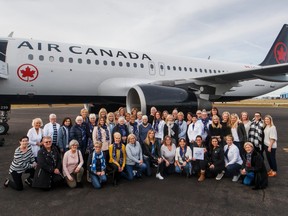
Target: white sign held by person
198	153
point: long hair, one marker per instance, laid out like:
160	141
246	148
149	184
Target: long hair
271	120
147	139
213	124
235	124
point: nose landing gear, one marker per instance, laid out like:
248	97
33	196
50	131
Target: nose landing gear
4	110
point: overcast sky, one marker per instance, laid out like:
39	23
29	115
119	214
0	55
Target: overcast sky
232	30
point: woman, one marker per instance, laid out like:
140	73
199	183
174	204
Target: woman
168	151
171	128
183	157
64	135
110	121
101	133
35	135
215	130
80	132
117	158
189	118
214	112
182	125
72	165
48	172
97	166
122	111
226	123
143	129
270	144
199	166
233	161
23	162
121	128
91	125
216	164
244	118
139	117
158	127
133	126
165	113
238	132
152	154
84	114
253	168
134	159
102	113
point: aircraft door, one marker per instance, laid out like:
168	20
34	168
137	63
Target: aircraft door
3	64
161	69
152	69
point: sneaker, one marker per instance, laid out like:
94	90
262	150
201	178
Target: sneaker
219	176
6	183
134	172
268	173
272	174
158	175
28	181
236	178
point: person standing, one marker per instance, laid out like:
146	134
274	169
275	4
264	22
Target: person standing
270	144
35	135
256	133
23	162
51	129
182	125
64	135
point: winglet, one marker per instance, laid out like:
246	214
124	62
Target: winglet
278	53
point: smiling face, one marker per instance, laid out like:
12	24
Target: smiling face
214	142
24	143
182	143
248	148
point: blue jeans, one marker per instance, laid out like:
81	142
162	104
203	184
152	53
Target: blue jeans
248	178
139	168
97	180
187	169
233	169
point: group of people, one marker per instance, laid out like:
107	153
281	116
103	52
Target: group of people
128	145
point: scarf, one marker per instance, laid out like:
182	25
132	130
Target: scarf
114	153
153	148
156	124
122	130
104	127
170	125
205	123
135	128
98	162
248	159
182	154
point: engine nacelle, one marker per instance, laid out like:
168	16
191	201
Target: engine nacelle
143	97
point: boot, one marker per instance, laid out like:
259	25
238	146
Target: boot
202	176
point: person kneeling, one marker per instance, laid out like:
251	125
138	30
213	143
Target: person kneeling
72	165
254	168
97	166
183	158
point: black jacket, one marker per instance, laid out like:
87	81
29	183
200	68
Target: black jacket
47	162
259	169
216	157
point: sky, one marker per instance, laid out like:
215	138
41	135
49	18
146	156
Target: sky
240	31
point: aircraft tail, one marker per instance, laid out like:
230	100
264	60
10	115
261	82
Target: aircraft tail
278	53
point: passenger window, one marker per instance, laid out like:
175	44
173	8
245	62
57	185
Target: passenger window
135	65
200	70
195	69
142	65
127	64
152	66
205	70
105	62
174	68
61	59
120	64
112	63
71	60
185	69
41	57
97	62
210	71
79	60
51	58
30	57
180	69
88	61
168	67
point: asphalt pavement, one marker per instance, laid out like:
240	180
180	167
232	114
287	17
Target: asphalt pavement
175	195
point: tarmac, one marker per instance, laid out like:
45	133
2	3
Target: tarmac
175	195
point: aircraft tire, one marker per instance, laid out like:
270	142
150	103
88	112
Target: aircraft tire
4	127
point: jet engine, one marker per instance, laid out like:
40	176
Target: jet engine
145	96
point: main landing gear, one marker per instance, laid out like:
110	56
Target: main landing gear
4	111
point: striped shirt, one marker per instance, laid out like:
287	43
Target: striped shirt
22	160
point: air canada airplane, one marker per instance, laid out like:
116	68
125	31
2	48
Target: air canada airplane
40	72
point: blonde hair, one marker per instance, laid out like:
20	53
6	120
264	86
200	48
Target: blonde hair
130	136
235	124
218	125
271	120
98	143
102	110
37	120
107	118
147	139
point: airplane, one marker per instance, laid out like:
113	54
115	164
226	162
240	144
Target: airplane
41	72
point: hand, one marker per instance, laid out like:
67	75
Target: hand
140	162
194	159
269	149
56	171
184	163
77	169
205	150
102	173
243	172
70	178
212	166
34	165
120	169
167	163
38	144
98	173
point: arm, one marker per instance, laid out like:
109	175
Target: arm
65	163
81	160
111	159
124	156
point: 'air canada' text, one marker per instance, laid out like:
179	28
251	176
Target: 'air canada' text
87	51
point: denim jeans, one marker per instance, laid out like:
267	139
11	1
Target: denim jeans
139	168
187	169
97	180
248	178
271	158
233	169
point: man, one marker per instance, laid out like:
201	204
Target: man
51	129
256	133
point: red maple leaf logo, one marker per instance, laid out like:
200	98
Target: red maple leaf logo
28	72
281	54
